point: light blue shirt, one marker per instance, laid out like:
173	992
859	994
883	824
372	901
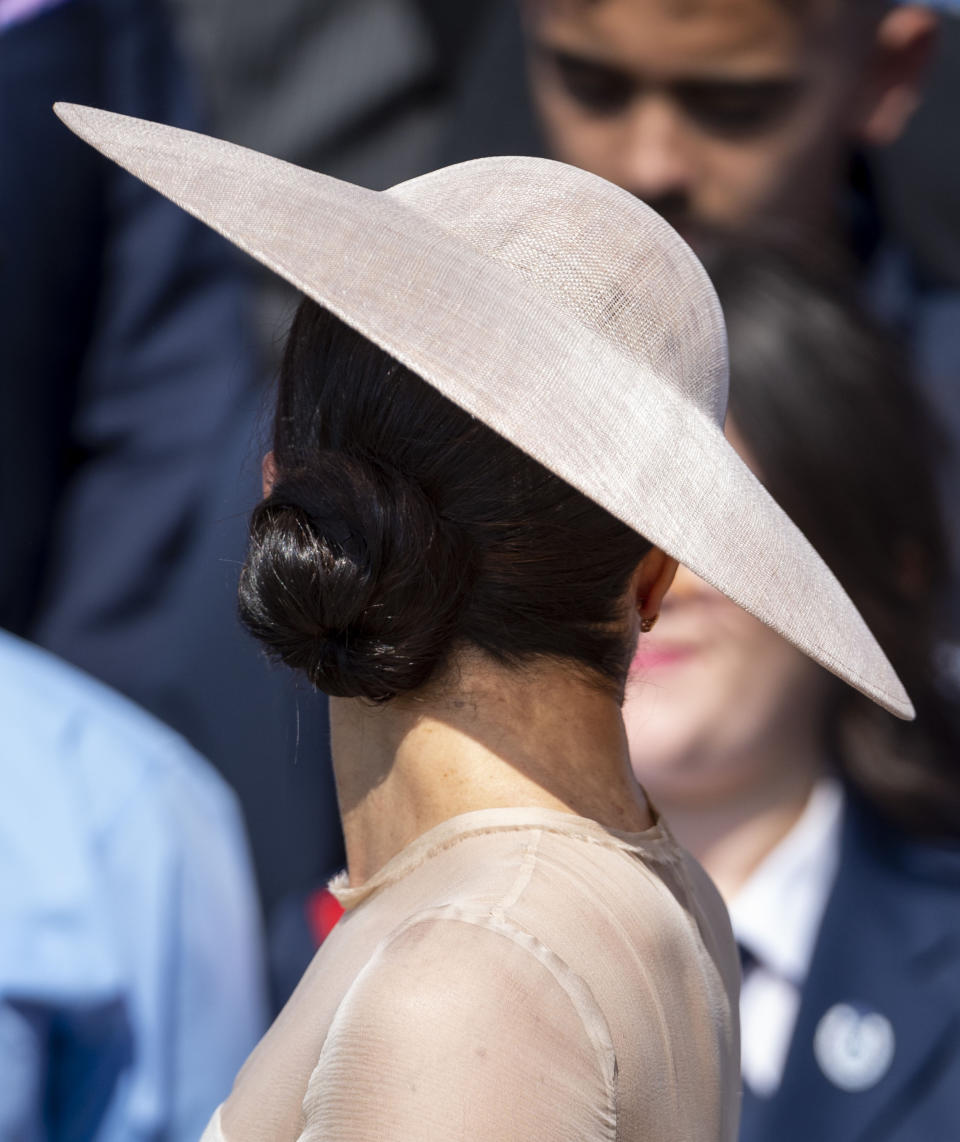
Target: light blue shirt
131	976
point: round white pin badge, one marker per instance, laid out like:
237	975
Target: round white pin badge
854	1046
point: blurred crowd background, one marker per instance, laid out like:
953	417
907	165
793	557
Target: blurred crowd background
167	811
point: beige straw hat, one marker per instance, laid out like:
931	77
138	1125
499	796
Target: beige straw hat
560	311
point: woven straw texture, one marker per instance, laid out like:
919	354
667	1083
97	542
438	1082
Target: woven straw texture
559	310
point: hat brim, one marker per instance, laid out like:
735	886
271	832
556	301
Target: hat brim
465	322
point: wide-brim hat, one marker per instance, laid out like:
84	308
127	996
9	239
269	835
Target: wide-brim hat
558	309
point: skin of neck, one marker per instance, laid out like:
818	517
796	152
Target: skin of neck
732	834
486	736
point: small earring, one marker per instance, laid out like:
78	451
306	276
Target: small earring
647	625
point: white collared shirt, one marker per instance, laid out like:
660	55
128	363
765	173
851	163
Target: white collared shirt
776	917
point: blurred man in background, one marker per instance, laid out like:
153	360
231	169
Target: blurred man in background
752	115
726	112
769	116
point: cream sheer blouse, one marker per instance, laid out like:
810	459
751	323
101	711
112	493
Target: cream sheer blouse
512	974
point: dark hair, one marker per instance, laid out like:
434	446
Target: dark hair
825	405
400	527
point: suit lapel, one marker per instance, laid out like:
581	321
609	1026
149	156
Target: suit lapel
877	984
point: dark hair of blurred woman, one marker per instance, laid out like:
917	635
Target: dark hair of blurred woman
823	401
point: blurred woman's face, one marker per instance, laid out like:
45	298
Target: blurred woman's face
717	703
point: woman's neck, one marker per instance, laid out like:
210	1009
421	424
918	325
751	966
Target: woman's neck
497	738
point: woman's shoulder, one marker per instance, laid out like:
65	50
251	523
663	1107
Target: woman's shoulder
566	880
580	887
502	993
601	912
605	912
460	1015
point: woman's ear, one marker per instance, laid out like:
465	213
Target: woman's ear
269	472
651	581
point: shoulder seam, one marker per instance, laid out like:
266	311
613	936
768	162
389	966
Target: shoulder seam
591	1016
528	863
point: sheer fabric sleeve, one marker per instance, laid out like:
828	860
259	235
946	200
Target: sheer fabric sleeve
463	1028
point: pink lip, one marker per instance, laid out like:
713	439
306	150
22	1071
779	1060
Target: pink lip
658	657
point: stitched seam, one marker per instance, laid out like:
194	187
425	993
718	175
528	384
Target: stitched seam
592	1020
527	864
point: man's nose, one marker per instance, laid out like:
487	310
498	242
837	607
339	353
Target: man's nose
653	160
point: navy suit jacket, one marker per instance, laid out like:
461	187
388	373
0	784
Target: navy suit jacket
889	943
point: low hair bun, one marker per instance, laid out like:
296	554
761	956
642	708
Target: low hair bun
354	578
